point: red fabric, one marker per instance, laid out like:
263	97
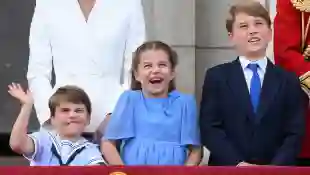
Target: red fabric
100	170
287	50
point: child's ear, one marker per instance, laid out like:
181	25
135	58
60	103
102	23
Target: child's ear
173	74
230	35
136	76
51	120
88	120
231	38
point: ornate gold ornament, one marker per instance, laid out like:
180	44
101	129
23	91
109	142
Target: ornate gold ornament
118	173
304	7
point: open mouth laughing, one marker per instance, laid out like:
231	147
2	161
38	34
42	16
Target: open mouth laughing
156	80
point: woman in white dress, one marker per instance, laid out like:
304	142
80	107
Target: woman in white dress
90	44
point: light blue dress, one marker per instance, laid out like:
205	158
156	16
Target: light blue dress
154	131
44	140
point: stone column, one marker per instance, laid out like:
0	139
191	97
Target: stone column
212	44
173	21
271	4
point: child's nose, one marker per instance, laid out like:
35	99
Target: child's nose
155	69
72	114
253	30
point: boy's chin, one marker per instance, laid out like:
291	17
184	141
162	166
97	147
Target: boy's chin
256	52
257	48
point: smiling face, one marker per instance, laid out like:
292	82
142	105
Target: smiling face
70	119
154	72
250	35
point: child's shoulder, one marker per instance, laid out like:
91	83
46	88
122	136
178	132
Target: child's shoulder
42	133
184	97
131	94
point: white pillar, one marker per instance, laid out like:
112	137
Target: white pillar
173	21
272	11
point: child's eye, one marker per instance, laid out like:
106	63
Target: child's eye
65	110
79	110
243	26
162	65
147	66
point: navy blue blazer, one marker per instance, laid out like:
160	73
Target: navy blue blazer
234	133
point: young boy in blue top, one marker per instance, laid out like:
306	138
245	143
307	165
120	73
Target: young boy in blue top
70	110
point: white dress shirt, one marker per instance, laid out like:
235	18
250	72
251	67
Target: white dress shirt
248	73
93	55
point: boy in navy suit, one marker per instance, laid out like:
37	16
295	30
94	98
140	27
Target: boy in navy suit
252	112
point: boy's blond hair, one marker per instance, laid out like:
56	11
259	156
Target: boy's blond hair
250	7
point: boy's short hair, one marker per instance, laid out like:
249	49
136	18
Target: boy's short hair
69	93
249	7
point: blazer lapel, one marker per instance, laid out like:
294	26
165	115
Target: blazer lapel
238	85
270	88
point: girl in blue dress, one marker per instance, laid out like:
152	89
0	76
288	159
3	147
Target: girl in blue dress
156	124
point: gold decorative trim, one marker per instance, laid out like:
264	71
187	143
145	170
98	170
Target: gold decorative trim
306	90
304	82
118	173
304	7
304	76
301	5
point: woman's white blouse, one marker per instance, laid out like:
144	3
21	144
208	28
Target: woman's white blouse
95	55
